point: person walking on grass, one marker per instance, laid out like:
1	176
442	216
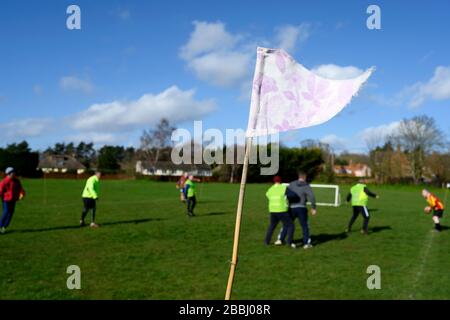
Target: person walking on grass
435	205
277	196
90	196
11	191
359	195
303	193
190	195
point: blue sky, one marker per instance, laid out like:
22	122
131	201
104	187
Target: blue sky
133	62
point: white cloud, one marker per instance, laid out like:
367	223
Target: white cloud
226	59
375	136
364	140
25	128
415	95
437	88
217	56
222	68
332	71
174	104
72	83
208	37
334	141
289	36
116	121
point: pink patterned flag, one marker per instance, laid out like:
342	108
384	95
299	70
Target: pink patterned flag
288	96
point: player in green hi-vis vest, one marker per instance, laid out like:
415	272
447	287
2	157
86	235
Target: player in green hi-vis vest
278	208
359	195
90	196
190	194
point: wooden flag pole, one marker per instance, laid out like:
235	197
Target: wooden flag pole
237	229
254	111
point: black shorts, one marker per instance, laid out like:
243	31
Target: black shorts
89	203
438	213
361	210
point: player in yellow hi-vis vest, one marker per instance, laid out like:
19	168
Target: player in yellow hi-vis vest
278	208
190	194
359	195
90	197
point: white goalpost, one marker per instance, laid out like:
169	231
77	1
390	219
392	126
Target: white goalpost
323	194
336	196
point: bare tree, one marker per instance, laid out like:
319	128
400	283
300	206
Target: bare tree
377	139
328	155
418	136
156	140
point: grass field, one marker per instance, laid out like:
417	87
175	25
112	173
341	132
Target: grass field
146	247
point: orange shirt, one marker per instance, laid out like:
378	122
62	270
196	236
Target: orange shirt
434	202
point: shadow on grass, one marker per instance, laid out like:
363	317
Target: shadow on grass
204	201
136	221
380	228
444	228
323	238
326	237
219	213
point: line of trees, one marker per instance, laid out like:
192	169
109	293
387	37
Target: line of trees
155	146
108	158
415	152
291	160
21	157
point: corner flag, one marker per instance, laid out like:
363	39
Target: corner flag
286	95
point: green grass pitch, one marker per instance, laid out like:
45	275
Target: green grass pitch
146	247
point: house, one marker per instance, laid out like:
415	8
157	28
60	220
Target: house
355	170
167	168
60	164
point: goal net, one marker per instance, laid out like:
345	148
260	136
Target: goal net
326	194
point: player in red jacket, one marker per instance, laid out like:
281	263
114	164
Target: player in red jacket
11	191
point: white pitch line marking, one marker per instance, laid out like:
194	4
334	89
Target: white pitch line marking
423	259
